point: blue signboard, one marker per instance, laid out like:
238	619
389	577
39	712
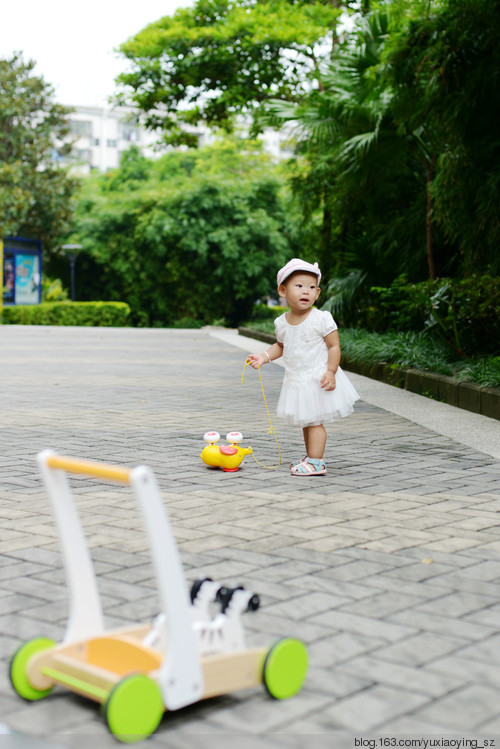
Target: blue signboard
22	271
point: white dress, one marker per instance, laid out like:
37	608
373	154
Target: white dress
302	401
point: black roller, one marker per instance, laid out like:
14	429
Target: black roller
253	603
225	594
196	586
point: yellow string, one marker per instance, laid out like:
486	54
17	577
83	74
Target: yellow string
271	429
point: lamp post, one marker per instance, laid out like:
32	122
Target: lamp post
72	250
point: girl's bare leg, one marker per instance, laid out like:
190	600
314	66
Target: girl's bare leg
315	441
305	431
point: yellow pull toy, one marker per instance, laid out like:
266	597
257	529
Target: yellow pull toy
228	457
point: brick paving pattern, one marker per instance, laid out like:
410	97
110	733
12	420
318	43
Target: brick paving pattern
388	567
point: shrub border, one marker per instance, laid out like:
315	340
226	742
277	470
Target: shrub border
466	395
67	313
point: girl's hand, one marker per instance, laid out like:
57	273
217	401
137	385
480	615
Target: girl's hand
328	380
256	360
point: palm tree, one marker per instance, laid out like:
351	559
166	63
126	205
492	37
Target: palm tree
373	162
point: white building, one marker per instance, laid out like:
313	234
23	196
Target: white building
102	135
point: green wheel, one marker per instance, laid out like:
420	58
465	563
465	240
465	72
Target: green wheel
134	708
285	668
18	666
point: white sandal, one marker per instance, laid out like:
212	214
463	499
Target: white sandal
298	462
309	467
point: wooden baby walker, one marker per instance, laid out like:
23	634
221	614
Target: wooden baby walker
187	654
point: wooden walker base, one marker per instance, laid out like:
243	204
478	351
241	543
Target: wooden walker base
141	671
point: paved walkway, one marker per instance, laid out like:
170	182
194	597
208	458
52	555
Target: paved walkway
388	567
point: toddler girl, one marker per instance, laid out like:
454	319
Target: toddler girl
315	390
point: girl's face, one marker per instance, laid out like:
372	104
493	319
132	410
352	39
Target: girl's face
300	291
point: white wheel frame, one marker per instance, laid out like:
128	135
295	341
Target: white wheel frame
180	676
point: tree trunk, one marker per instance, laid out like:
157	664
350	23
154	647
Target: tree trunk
326	239
428	219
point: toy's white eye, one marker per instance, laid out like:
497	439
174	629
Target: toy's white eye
211	437
234	437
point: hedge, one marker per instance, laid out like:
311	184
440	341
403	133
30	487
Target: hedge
99	314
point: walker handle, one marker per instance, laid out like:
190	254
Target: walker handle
89	468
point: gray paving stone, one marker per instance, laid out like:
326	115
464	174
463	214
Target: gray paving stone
333	681
483	571
388	567
357	570
306	606
460	628
272	628
371	709
266	716
467	708
400	676
492	727
420	649
489	616
418	590
319	582
383	605
464	559
470	585
483	651
459	604
420	572
346	622
468	670
413	727
332	650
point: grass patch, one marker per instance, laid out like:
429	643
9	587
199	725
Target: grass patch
405	349
484	372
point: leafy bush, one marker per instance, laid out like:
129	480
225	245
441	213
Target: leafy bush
53	290
400	306
99	314
187	322
263	312
463	313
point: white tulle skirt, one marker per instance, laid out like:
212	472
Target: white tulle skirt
307	404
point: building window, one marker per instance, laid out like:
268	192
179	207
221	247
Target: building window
82	154
81	127
94	141
127	132
112	143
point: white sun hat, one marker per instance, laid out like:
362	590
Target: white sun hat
297	264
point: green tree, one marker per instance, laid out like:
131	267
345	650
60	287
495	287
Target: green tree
220	58
400	147
200	238
35	193
355	167
446	72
